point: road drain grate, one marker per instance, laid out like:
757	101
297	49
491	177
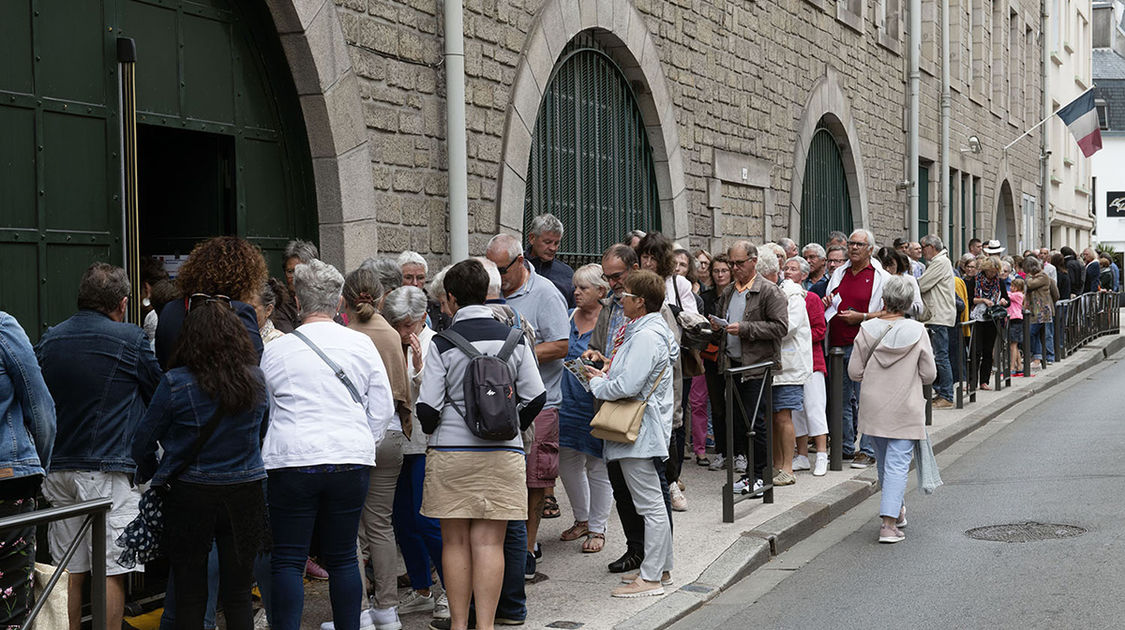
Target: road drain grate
1024	532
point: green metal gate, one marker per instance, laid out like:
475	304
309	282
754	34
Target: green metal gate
591	164
825	203
209	67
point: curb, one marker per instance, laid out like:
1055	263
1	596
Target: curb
755	548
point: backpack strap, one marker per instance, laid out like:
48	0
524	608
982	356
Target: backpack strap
462	344
510	344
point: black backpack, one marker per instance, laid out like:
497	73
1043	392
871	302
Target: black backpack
491	406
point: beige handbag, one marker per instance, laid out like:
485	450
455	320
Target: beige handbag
53	615
620	420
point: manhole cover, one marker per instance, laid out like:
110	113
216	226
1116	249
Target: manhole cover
1024	532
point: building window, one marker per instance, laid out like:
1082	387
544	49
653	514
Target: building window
888	23
1056	25
930	19
850	12
591	163
825	201
1103	113
1001	52
1015	69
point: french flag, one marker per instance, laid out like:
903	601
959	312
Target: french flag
1081	118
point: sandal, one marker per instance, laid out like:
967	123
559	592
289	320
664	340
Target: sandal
551	507
575	532
594	543
702	460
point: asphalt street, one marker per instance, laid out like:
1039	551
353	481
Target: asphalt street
1056	459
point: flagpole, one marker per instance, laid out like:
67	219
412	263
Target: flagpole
1040	123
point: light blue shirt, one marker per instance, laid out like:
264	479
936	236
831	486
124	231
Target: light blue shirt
540	302
735	312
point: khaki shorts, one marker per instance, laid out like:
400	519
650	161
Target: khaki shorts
543	455
69	487
484	485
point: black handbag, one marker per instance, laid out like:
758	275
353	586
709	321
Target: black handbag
141	540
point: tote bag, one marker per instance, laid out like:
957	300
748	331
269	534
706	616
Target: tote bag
620	420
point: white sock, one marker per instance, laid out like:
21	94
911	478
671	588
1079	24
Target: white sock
820	456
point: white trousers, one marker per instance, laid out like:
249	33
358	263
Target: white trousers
648	497
813	420
587	486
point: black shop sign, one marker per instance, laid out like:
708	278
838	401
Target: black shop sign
1115	204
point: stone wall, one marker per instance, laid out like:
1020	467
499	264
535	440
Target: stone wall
739	77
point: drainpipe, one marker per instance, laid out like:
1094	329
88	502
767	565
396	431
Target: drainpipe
946	106
915	111
1044	133
455	131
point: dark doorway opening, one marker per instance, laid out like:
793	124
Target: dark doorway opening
186	188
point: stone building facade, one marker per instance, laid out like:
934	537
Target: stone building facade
731	93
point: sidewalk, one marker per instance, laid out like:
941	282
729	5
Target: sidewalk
572	589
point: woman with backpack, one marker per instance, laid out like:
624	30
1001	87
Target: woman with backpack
475	470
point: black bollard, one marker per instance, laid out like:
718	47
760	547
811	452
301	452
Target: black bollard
836	408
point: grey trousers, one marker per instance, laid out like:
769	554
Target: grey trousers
648	497
375	530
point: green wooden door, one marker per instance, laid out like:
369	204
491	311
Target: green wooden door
210	67
825	202
591	164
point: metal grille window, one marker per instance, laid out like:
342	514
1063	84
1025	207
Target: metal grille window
825	203
591	164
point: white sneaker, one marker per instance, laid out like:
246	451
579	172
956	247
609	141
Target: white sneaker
740	464
261	622
801	462
679	501
384	618
821	465
414	601
742	486
718	462
367	622
441	607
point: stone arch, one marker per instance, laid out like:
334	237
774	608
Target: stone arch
328	90
621	29
828	104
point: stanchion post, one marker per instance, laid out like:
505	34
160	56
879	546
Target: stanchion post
974	361
960	384
998	356
728	452
836	408
1025	347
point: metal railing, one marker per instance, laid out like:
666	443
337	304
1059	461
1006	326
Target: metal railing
731	376
94	522
1080	320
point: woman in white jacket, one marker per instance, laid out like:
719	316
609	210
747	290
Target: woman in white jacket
796	368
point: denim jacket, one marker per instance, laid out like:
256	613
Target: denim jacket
179	411
101	374
27	412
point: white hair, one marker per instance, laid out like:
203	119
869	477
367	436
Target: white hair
591	275
932	240
505	243
303	251
318	285
404	304
412	258
437	288
866	233
802	263
816	248
493	272
898	294
768	262
546	223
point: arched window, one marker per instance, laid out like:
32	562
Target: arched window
825	204
591	163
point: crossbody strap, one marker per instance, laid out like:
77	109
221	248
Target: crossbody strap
875	345
336	369
204	435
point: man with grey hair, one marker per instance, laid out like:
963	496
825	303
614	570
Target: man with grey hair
285	316
543	240
813	253
633	238
1092	283
789	246
387	270
102	373
537	299
1044	256
756	316
938	287
854	295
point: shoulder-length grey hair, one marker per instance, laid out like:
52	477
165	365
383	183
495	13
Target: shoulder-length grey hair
318	285
404	304
898	294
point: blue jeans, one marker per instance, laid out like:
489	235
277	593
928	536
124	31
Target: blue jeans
851	399
513	598
418	537
1036	350
330	502
893	462
939	339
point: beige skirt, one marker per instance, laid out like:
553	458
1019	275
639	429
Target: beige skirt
489	485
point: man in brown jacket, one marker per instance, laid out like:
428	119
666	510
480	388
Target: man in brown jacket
757	315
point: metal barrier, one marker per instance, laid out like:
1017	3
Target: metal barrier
764	392
95	512
836	408
1080	320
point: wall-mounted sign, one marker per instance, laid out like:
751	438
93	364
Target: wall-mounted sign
1115	203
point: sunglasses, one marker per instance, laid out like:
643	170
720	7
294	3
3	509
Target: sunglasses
627	294
203	298
505	268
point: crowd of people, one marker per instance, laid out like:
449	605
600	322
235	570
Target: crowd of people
323	424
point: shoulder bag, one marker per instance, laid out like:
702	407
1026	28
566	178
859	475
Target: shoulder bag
620	420
143	536
336	369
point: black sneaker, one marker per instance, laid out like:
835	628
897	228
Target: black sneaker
538	552
529	568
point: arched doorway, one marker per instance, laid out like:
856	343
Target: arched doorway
591	164
220	139
825	199
1005	220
